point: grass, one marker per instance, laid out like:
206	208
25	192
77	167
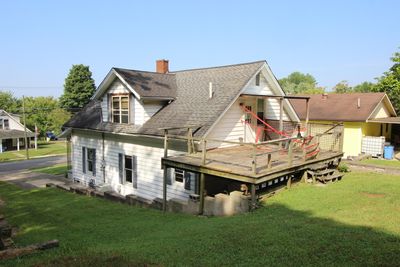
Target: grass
383	162
44	149
351	223
56	169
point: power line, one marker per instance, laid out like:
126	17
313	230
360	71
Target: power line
31	87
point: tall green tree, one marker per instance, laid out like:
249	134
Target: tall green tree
389	82
299	83
342	87
45	113
364	87
78	88
8	102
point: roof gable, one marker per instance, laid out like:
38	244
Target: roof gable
141	83
342	107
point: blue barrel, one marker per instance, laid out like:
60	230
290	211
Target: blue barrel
388	152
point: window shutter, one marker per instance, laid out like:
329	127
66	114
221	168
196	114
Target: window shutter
187	180
121	168
169	176
94	162
84	159
134	171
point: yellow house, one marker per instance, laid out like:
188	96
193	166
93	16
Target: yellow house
363	115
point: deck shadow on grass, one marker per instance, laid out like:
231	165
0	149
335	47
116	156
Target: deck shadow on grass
273	235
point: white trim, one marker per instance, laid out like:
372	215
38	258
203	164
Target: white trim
392	110
104	85
275	85
20	124
231	104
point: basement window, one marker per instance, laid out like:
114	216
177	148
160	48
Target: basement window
179	175
120	108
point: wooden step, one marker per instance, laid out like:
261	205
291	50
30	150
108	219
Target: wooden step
330	178
318	166
324	172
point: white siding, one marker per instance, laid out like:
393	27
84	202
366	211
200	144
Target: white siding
145	110
14	125
230	127
150	174
272	110
263	89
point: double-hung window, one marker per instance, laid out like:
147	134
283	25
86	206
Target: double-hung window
6	124
127	169
89	160
120	108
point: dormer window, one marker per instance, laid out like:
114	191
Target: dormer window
120	108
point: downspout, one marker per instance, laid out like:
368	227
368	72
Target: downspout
103	161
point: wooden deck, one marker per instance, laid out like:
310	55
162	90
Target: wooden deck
236	162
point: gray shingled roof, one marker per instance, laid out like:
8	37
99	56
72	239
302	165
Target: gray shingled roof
150	84
192	105
8	134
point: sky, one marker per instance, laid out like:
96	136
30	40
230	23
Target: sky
338	40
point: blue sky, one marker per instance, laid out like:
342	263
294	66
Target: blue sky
332	40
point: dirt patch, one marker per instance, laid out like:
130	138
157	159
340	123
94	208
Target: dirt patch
373	195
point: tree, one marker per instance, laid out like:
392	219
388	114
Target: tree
78	88
299	83
364	87
389	82
8	102
342	87
45	113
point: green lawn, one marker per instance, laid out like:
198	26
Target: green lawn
383	162
56	169
44	149
354	222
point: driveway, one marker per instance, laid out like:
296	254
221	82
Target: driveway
18	172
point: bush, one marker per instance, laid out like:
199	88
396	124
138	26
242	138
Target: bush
343	167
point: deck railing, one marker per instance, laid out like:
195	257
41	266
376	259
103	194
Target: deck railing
322	138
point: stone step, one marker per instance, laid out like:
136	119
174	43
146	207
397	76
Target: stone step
331	178
324	172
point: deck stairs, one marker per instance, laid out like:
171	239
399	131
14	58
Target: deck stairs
324	174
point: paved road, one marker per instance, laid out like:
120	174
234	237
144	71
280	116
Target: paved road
18	172
32	163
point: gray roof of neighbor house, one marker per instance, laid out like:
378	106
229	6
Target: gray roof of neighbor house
192	106
339	107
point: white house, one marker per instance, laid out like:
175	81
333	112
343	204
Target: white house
12	132
117	139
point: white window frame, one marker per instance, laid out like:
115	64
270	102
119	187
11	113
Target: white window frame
119	110
92	161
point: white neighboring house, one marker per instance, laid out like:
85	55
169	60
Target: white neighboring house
117	139
12	133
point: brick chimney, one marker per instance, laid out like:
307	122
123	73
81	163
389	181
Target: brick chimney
162	66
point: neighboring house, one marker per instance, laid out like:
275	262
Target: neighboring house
117	139
12	132
363	114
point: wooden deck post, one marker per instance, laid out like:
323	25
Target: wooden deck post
189	141
269	161
307	116
165	188
289	182
204	152
165	143
202	185
281	114
253	197
290	153
254	162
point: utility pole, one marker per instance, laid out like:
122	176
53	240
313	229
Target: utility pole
26	135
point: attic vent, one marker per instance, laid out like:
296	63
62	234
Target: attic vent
359	103
210	90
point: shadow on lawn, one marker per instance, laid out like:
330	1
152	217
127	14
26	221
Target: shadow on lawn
90	233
